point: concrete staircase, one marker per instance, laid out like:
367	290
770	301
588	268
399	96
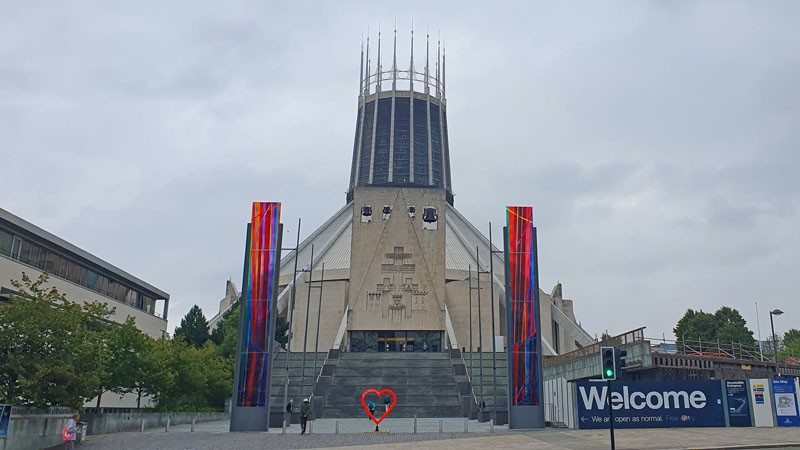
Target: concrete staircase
424	384
485	382
299	387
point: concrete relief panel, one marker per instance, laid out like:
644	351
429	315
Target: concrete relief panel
396	268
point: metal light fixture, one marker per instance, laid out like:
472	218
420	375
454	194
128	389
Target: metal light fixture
775	312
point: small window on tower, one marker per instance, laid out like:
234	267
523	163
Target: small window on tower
430	217
366	213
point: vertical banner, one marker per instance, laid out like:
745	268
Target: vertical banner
738	403
760	402
785	394
257	305
522	300
5	418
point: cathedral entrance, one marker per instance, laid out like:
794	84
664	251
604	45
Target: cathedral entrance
395	341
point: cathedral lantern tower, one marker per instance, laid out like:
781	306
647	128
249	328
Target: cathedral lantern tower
401	126
399	187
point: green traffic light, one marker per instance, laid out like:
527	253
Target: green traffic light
609	372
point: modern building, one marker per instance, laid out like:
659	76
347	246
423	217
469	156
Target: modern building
82	277
403	268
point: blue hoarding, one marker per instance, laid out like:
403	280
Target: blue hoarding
738	403
651	404
785	402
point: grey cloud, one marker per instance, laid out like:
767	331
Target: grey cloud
657	140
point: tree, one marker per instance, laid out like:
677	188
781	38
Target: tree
731	327
202	379
227	333
790	350
281	327
194	328
694	326
725	326
129	350
791	336
52	349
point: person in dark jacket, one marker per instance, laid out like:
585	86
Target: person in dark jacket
387	401
305	408
288	416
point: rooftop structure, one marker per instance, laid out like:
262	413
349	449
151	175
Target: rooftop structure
83	277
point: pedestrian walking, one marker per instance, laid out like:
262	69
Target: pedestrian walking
71	431
288	416
387	401
424	346
304	410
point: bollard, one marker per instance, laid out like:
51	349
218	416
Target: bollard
166	430
491	425
440	425
310	426
193	424
415	424
283	431
337	426
142	430
466	426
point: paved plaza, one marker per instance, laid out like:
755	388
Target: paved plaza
398	434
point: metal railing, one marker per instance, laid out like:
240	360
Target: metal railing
628	337
724	349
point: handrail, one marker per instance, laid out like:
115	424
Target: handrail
725	349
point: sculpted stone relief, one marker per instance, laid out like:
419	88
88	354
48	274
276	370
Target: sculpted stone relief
402	295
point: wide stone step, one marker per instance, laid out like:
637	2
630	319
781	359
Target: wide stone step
402	399
364	363
390	380
394	356
426	389
346	371
340	412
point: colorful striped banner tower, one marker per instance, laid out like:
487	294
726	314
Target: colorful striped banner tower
250	407
522	304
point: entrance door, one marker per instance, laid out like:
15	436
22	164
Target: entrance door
391	341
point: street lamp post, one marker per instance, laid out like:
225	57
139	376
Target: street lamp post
775	312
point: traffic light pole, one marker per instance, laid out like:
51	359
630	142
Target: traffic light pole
610	414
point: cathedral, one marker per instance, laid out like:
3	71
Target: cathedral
398	268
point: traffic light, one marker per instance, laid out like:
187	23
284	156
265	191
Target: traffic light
621	354
608	360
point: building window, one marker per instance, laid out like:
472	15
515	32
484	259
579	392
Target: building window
6	239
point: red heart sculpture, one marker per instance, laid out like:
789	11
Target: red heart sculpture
380	395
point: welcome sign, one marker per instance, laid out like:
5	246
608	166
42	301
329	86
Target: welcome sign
647	404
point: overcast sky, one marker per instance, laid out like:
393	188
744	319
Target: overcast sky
657	141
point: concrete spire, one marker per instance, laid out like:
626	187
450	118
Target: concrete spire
378	73
427	61
361	70
443	69
438	58
394	59
366	74
411	67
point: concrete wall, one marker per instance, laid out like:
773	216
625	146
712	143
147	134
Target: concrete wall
333	305
559	401
394	293
36	431
458	305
